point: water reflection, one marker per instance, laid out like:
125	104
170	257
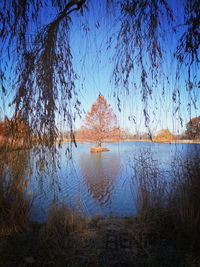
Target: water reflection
100	172
15	166
15	200
102	181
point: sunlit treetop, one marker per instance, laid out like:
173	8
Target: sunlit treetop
101	114
164	135
195	120
100	123
193	128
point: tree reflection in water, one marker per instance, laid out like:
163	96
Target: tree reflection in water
28	174
15	166
100	173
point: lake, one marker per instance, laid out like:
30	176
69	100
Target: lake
99	182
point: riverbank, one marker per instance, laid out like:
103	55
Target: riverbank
20	146
68	140
99	242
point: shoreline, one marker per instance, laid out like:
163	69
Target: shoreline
80	141
67	140
97	242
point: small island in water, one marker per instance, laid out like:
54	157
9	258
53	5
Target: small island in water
98	149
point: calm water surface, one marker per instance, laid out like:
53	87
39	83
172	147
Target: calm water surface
100	180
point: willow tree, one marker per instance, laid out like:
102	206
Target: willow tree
40	63
42	70
142	47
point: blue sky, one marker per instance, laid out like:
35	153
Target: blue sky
92	62
97	73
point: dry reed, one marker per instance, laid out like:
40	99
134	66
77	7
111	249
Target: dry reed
168	199
15	200
63	221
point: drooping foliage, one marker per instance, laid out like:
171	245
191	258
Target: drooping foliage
189	43
35	48
139	43
100	123
150	35
38	54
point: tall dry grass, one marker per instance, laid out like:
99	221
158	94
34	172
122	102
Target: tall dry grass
15	205
15	200
62	221
149	187
169	199
184	199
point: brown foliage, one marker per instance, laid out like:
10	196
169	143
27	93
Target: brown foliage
100	123
2	133
193	128
2	128
14	132
15	199
17	128
164	135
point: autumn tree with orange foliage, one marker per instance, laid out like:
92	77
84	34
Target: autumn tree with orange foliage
17	127
100	123
14	131
164	135
193	128
2	128
2	133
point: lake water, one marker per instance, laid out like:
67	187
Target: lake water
103	182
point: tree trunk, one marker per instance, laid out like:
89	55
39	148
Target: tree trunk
99	144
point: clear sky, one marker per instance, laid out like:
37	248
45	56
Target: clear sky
96	70
92	62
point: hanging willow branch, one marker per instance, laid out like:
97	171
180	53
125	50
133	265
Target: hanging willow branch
141	50
139	53
44	70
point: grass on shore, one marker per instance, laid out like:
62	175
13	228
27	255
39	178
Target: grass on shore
169	198
15	202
